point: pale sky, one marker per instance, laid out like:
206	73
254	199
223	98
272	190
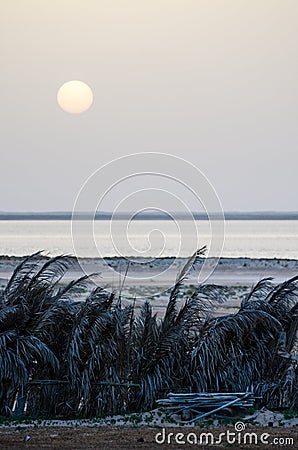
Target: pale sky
212	81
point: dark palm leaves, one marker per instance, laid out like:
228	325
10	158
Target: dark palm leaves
94	347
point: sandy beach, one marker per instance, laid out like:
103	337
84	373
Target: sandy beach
163	271
142	279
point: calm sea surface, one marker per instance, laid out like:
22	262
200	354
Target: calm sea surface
249	238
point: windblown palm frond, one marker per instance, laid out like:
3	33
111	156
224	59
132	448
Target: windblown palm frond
82	281
20	277
258	293
51	272
171	309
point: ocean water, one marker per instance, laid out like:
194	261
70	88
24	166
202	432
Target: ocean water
151	238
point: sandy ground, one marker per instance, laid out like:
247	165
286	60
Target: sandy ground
163	271
264	428
115	438
146	279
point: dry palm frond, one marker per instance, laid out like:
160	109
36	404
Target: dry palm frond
65	357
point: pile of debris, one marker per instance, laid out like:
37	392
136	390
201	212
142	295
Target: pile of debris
196	406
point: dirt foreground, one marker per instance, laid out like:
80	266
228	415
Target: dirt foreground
117	438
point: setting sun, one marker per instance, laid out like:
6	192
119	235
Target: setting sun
75	97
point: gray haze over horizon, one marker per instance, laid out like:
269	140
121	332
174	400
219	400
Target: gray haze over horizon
213	82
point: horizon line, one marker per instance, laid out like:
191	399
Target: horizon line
148	215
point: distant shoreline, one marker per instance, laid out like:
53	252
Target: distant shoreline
148	216
149	276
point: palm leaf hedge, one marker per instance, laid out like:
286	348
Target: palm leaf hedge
66	358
